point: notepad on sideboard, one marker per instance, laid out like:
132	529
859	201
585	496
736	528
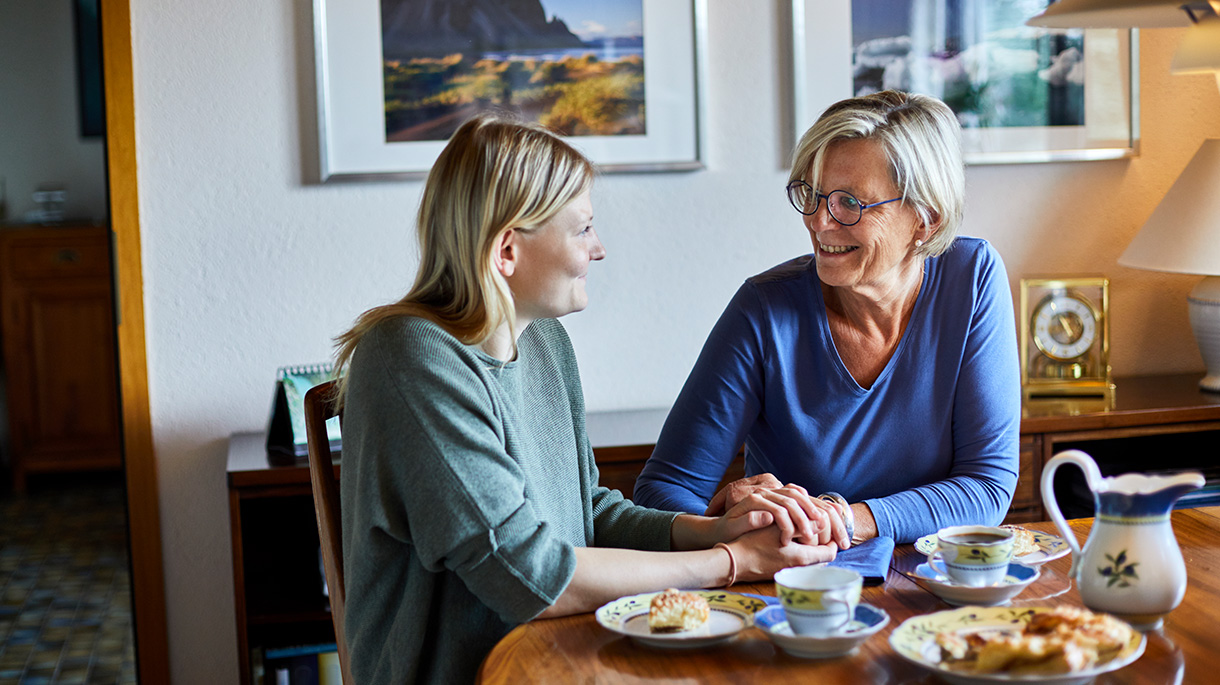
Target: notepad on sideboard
286	439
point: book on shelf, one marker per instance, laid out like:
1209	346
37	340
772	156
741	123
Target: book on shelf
258	674
286	440
304	670
301	664
322	573
329	672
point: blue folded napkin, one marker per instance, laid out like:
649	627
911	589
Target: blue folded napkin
870	559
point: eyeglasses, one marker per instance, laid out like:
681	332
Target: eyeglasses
842	205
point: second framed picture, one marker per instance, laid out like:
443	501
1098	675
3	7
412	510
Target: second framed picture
620	78
1021	94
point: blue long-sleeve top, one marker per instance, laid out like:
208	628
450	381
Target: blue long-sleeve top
932	443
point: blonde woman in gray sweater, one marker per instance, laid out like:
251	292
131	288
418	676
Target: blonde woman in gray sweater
469	493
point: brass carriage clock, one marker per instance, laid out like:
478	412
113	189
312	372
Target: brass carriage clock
1065	338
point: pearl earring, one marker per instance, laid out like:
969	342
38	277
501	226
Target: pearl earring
918	243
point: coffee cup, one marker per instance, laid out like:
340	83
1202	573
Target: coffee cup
976	556
818	600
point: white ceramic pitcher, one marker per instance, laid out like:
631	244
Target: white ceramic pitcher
1131	565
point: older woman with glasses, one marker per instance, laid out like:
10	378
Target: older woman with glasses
883	366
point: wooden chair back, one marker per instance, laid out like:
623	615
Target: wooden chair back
320	405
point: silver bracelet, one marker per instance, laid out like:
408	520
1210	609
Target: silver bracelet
849	518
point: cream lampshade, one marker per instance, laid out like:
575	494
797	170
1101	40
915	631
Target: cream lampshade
1123	14
1183	236
1199	52
1113	14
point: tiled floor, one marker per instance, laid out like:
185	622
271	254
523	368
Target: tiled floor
65	594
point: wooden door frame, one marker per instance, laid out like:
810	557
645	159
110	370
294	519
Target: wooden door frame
143	511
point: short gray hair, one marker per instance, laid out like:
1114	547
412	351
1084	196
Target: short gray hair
922	141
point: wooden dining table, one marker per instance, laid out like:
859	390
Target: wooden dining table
576	649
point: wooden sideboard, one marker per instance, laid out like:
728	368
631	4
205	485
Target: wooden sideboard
1156	422
277	573
59	350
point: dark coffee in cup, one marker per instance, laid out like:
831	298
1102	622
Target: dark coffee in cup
975	539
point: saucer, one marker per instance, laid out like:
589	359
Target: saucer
866	622
1018	578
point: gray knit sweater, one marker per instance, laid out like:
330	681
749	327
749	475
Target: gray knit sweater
466	485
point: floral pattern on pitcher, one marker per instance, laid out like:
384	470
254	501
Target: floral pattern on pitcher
1119	572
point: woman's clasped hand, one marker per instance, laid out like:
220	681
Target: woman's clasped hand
798	516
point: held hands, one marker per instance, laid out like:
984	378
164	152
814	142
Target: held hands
759	554
734	492
752	503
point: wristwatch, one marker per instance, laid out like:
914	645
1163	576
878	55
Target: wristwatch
849	518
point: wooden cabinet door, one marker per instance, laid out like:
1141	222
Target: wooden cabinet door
1027	500
62	381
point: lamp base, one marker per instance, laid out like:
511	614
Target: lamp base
1204	303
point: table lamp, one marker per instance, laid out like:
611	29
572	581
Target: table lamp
1199	52
1183	236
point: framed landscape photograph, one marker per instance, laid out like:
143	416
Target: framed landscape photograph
1021	93
620	79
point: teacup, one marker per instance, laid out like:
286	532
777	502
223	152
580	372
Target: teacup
975	555
818	600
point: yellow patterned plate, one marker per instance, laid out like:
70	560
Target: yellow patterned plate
915	641
730	614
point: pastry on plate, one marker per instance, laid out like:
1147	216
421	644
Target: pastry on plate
672	611
1023	540
1060	641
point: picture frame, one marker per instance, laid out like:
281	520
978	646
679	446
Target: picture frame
352	128
88	35
1102	123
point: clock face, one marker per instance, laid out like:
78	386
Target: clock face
1064	326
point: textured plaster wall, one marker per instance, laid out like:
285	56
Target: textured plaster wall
249	266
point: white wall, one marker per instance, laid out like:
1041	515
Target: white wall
40	141
248	267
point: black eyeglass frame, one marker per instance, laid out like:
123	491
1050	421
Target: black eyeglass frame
796	185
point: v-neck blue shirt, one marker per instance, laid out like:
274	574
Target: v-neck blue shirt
932	442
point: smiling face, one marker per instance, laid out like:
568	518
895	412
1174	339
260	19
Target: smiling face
877	252
551	261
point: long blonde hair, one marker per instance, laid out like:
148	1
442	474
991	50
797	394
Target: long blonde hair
494	175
